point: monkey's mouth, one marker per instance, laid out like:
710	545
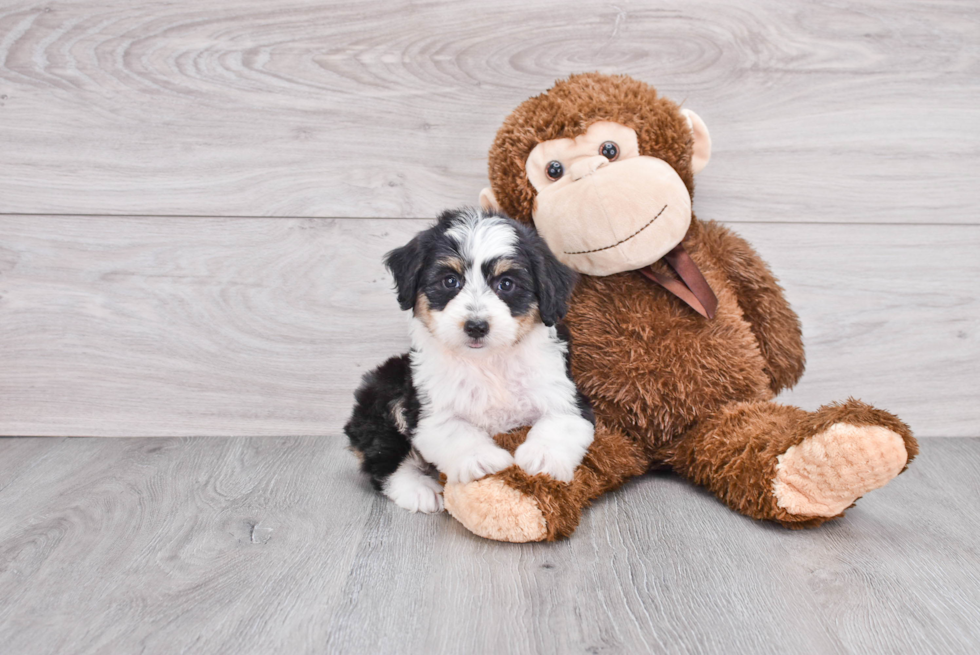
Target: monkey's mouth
621	241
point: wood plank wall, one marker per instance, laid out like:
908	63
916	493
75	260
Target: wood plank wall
194	197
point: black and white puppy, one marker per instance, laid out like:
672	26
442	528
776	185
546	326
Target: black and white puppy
488	355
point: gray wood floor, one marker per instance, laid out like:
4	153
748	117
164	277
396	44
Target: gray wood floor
262	545
194	200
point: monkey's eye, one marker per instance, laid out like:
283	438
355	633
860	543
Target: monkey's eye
609	150
450	282
506	285
555	170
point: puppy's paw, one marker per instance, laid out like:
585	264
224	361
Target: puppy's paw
478	463
416	493
538	457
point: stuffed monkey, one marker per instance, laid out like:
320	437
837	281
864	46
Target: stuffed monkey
682	336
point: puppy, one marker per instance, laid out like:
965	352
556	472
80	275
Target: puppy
487	356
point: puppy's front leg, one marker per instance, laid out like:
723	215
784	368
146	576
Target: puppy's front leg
555	445
459	449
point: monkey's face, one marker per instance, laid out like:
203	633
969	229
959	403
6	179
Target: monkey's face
601	206
603	166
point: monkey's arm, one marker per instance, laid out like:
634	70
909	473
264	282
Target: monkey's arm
515	506
763	304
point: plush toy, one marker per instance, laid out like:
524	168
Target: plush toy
682	336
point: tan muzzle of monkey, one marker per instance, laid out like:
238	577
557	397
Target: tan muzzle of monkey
621	216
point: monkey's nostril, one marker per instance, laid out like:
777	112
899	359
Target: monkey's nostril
587	166
476	329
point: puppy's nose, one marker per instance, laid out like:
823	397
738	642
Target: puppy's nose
476	329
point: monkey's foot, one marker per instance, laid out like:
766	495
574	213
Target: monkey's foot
491	509
826	473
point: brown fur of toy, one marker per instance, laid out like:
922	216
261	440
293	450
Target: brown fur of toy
735	453
567	110
669	386
611	461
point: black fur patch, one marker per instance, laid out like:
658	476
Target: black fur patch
434	287
415	269
523	295
581	400
553	281
372	428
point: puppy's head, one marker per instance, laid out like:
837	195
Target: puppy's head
480	281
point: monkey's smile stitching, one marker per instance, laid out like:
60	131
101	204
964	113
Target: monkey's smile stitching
621	241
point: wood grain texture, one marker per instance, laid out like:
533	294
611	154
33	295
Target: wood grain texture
179	327
835	112
278	545
846	149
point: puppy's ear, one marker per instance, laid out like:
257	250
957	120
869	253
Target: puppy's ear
405	264
554	281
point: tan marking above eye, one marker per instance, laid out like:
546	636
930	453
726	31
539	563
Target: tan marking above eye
454	263
567	151
502	267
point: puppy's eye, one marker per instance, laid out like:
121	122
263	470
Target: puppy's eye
506	285
555	170
609	150
450	282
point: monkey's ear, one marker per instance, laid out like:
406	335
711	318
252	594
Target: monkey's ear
488	201
702	141
405	264
554	281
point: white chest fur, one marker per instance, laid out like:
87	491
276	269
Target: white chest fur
495	391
